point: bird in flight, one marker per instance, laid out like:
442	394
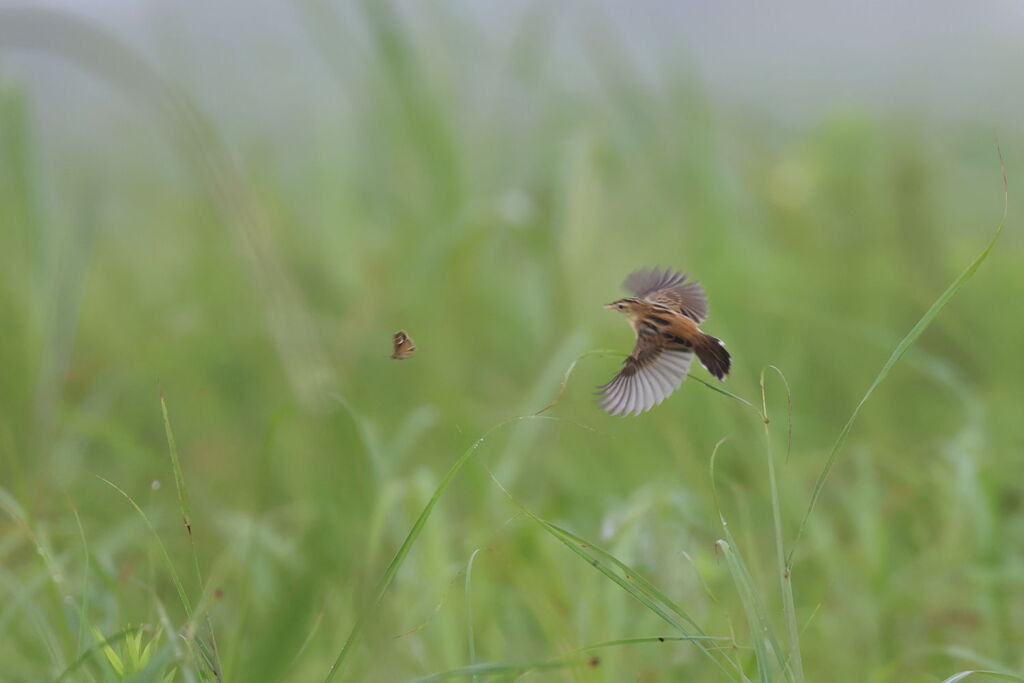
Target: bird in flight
403	346
664	311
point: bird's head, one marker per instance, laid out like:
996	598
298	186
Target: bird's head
629	307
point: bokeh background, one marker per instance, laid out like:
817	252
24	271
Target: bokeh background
235	206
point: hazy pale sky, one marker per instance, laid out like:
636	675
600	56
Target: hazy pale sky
253	59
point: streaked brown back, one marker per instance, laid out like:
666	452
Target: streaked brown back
669	288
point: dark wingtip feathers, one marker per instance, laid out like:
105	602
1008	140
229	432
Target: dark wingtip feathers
713	356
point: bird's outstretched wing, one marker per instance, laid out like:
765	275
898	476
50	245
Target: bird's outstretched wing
669	288
647	378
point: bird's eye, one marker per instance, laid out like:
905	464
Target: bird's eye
621	306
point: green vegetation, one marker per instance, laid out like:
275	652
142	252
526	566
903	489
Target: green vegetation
208	462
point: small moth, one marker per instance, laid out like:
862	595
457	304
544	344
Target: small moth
404	346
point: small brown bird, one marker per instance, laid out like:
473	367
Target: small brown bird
664	311
404	346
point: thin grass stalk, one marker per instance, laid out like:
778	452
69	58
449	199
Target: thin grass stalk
175	578
186	516
722	391
568	373
470	639
83	608
785	574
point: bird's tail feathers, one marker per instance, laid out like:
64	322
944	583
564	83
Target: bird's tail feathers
712	355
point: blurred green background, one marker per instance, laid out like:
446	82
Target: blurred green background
237	209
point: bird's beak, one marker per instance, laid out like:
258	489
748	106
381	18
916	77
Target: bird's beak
612	305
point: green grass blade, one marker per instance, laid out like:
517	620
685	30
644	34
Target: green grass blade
179	478
378	464
603	562
757	617
991	674
314	629
179	586
410	539
175	578
898	352
761	631
471	642
785	576
88	654
571	659
497	668
634	576
722	391
649	639
186	517
83	607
